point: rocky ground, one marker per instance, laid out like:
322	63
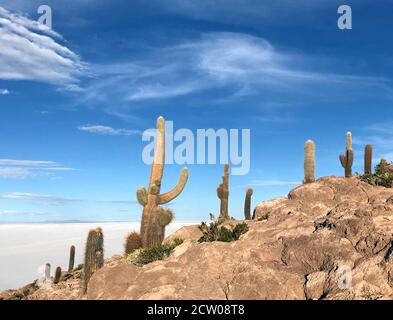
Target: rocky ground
331	239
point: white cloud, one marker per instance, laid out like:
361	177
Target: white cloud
242	64
50	199
106	130
14	213
15	173
30	51
4	92
21	169
273	183
27	163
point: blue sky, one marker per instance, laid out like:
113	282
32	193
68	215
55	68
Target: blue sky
74	100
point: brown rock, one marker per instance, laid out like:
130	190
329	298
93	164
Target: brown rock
326	240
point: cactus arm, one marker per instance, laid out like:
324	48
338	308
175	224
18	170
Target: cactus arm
343	160
157	169
223	193
141	195
166	197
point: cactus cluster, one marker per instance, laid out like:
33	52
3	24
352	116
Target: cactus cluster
223	194
347	158
247	204
94	255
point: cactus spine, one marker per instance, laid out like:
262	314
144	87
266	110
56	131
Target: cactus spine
72	259
57	275
223	193
150	199
309	162
94	255
347	159
247	204
368	159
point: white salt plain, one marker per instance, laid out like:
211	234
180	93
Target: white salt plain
25	248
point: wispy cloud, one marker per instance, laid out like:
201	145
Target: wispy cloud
242	64
4	92
21	169
15	173
31	51
109	131
57	200
117	201
50	199
272	183
16	213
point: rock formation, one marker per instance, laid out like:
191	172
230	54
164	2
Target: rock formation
331	239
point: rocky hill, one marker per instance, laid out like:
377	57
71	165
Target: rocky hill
331	239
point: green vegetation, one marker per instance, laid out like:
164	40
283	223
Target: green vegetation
144	256
264	217
383	175
215	232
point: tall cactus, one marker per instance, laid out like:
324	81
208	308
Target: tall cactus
347	159
368	159
71	260
223	194
57	275
94	255
151	230
309	161
247	204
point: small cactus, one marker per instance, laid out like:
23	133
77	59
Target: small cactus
247	204
71	260
57	275
347	159
309	162
133	242
94	255
223	194
368	159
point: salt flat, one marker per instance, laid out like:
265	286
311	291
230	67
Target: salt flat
24	248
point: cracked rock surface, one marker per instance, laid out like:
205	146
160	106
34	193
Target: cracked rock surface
331	239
